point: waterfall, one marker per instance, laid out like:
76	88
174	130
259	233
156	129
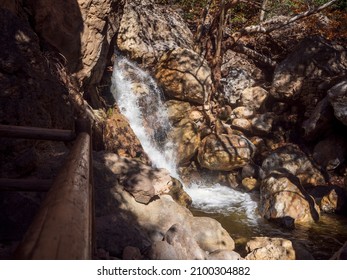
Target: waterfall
140	100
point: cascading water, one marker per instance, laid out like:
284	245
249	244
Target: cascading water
140	100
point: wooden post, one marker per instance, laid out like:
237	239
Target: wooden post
36	133
62	228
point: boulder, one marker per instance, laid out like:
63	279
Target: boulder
294	161
225	152
243	112
319	121
177	110
184	75
262	124
330	152
163	228
265	248
186	138
224	255
337	96
242	125
146	31
253	97
314	61
284	200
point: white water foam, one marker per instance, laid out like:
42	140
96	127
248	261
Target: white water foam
222	199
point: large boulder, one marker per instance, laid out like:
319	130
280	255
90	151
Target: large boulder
177	110
225	152
266	248
306	73
338	99
184	75
162	228
294	161
147	31
284	200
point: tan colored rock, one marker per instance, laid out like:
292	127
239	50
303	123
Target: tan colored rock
291	158
184	75
265	248
177	110
337	98
161	250
253	97
147	31
283	199
242	125
186	138
224	255
225	152
243	112
250	184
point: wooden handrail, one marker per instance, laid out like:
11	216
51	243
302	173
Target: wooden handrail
36	133
62	228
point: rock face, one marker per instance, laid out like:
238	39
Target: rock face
225	152
265	248
147	31
84	36
184	75
294	161
162	227
338	98
284	200
302	71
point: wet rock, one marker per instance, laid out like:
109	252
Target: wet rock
282	196
147	31
253	97
341	254
178	194
262	124
184	75
265	248
319	121
294	161
330	199
177	110
330	152
337	96
224	255
225	152
186	138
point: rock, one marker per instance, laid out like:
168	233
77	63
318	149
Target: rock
252	170
309	71
161	250
262	124
319	121
184	75
122	222
224	255
225	152
147	31
243	112
177	110
282	197
253	97
294	161
242	125
131	253
330	199
341	254
330	152
249	184
337	96
178	194
186	138
210	235
234	83
185	245
265	248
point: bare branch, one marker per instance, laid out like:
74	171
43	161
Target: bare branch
261	28
254	54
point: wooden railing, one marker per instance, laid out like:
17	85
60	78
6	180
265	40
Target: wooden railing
63	226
